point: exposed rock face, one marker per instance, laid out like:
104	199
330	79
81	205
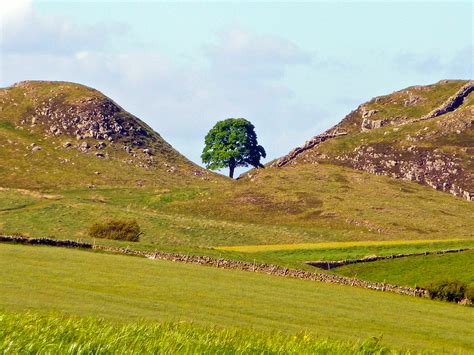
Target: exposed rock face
439	170
368	124
96	118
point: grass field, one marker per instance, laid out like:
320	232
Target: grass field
33	333
333	245
418	270
127	289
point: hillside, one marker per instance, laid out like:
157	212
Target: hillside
59	133
70	157
422	133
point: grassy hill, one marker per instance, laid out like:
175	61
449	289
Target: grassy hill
51	185
422	133
59	134
124	289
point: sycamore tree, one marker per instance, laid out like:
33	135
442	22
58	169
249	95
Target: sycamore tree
232	143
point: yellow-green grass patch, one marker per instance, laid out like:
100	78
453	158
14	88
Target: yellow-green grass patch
328	245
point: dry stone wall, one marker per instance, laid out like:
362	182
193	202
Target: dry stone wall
328	265
308	145
227	264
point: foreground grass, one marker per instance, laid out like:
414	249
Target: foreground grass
415	271
127	289
33	333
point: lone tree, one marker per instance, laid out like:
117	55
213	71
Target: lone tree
232	143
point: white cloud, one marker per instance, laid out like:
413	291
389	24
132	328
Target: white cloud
27	31
244	78
14	12
241	52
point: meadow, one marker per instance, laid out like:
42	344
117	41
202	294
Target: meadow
415	271
129	289
56	333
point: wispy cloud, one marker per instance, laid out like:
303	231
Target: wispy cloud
24	30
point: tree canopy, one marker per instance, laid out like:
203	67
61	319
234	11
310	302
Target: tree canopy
232	143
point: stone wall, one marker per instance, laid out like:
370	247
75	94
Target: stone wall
227	264
328	265
308	145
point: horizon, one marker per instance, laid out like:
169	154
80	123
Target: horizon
269	63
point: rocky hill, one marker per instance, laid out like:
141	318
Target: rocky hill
422	133
51	131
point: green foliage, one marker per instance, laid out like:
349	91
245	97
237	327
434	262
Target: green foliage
232	143
56	334
116	229
447	290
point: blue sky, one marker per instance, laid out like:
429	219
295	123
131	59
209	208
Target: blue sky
293	69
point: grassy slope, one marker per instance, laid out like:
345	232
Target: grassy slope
393	107
449	134
330	204
32	333
335	204
54	165
182	212
294	205
127	288
419	270
437	133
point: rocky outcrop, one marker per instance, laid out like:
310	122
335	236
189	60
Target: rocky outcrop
96	118
228	264
438	170
368	124
328	264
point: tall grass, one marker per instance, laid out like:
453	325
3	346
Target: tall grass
33	333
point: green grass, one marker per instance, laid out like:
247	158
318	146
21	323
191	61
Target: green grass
296	258
418	270
331	245
330	204
432	97
33	333
128	289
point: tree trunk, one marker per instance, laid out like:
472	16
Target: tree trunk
231	170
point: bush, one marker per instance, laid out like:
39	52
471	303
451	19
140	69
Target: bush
447	290
116	229
469	293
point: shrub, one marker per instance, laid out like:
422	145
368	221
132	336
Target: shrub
116	229
469	293
447	290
